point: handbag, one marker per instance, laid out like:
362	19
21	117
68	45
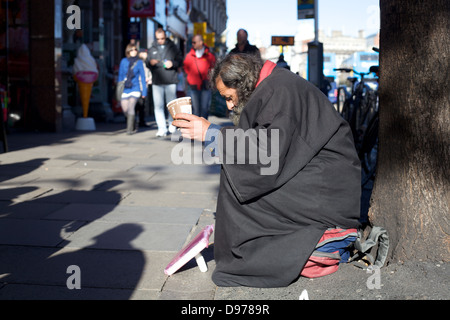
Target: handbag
119	89
121	85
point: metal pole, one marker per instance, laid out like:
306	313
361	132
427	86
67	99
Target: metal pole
316	21
3	124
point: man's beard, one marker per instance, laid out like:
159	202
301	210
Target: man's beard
235	116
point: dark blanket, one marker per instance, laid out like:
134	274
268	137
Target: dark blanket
267	225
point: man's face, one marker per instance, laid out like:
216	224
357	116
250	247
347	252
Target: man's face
229	94
231	99
161	38
241	37
197	43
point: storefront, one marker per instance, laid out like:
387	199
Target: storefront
15	59
100	30
38	45
39	42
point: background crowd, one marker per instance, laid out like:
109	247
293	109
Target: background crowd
153	78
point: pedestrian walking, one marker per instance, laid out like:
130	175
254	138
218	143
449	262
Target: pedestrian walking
197	64
243	46
281	63
273	210
142	102
131	70
165	58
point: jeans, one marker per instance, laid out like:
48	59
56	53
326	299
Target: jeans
201	102
162	94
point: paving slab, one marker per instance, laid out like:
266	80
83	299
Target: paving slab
22	193
119	269
205	186
45	292
102	166
130	236
88	157
114	180
80	196
27	209
130	214
35	232
168	199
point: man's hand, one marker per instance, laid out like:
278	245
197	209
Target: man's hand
191	126
168	64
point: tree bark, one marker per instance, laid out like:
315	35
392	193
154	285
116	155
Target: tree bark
411	192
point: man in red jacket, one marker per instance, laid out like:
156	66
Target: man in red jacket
197	64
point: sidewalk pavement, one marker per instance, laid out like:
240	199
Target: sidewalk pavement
109	211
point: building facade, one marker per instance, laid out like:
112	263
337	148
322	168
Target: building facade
39	42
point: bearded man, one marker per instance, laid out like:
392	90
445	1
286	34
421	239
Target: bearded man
269	222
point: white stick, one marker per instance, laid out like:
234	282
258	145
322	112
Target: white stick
201	262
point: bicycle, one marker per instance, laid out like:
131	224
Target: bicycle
359	106
368	149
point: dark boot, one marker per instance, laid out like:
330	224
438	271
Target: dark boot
130	124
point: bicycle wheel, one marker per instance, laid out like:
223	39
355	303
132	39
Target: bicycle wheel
347	115
341	97
369	151
367	107
351	115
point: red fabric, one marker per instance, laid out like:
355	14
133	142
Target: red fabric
319	266
336	233
266	71
205	63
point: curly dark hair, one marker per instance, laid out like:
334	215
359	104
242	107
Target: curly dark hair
238	71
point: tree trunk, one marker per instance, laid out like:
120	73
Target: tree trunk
411	193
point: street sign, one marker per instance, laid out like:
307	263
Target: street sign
210	39
200	28
282	41
134	30
305	9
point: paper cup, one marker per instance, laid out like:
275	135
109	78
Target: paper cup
180	105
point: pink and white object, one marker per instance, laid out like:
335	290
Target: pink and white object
193	249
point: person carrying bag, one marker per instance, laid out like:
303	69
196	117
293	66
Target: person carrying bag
132	79
197	64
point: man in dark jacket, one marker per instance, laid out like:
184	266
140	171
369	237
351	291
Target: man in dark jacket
289	172
165	58
242	45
